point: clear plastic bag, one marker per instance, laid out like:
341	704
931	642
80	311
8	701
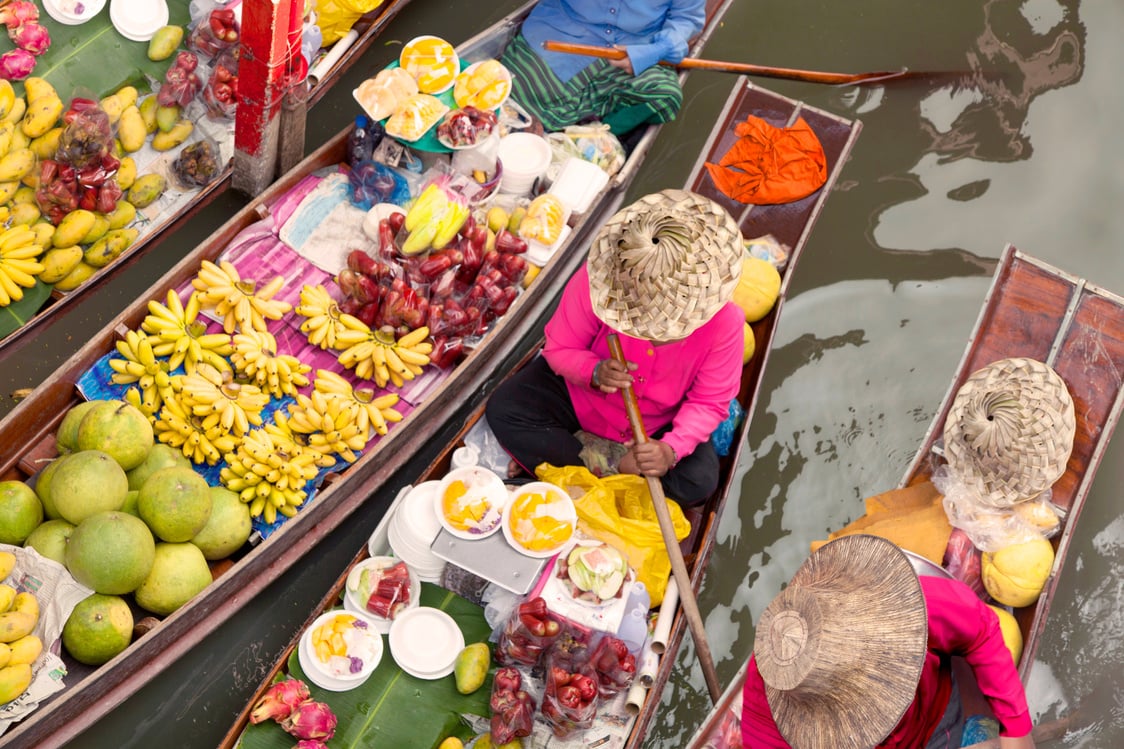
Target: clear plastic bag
594	143
992	528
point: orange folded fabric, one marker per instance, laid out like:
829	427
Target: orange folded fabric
769	165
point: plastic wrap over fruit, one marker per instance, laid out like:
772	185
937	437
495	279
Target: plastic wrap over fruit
415	117
87	135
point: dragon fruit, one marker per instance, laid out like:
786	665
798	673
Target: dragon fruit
17	13
311	720
16	64
31	36
280	700
310	744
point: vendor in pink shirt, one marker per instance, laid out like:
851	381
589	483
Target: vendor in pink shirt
857	651
660	274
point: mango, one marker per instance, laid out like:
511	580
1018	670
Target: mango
15	114
113	107
126	173
20	139
5	654
7	97
73	227
122	215
41	115
107	249
8	190
167	140
24	194
471	667
127	95
16	164
131	129
26	603
97	231
146	189
6	131
31	179
167	117
14	681
76	277
148	113
164	42
16	624
36	87
59	262
44	232
7	596
47	144
25	650
24	213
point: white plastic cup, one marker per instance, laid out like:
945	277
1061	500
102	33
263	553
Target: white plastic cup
525	158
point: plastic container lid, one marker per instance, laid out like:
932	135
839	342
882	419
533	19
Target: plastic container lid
138	20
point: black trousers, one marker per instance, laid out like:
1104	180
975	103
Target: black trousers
532	417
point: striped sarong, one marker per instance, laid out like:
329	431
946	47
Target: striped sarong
601	92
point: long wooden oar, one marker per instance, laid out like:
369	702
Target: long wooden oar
678	565
741	68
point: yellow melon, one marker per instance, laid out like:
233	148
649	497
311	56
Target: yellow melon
758	288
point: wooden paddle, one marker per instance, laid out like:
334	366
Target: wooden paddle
678	565
741	68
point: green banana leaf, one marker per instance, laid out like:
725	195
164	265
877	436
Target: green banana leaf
93	58
17	313
392	708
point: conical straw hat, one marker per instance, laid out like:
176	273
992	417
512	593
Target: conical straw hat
1009	432
841	648
663	266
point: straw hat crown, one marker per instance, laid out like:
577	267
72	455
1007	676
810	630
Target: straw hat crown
841	648
1009	431
663	266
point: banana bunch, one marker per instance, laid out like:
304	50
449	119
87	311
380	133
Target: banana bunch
19	613
215	397
269	475
176	426
255	357
283	435
383	359
238	301
373	412
180	335
139	364
326	326
331	424
18	264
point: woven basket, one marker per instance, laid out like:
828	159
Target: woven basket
1010	430
663	266
841	648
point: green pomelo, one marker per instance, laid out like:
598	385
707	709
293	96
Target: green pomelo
111	552
67	436
21	512
86	483
159	456
98	628
176	503
227	529
50	539
130	505
178	574
43	488
118	429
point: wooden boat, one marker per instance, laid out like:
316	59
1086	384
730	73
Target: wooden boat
91	693
1037	311
188	204
791	224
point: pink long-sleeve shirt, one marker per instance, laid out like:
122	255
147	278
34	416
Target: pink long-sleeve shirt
688	383
959	624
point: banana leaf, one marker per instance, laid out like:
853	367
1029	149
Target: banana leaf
392	708
93	58
17	313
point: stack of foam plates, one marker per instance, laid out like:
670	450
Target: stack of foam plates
138	20
425	642
413	528
73	12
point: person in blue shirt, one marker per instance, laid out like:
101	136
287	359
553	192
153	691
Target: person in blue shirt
562	89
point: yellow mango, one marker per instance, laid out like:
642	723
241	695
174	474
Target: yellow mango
6	131
163	43
167	117
24	194
41	115
113	106
148	113
47	144
73	227
126	173
122	215
5	214
16	624
26	603
166	141
8	190
16	164
19	139
24	213
107	249
7	596
127	95
44	232
76	277
25	650
5	654
131	130
15	114
31	179
7	97
472	667
59	262
36	87
146	189
14	681
97	231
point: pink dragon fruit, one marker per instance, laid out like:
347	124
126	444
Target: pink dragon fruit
311	720
18	13
31	36
280	700
310	744
16	64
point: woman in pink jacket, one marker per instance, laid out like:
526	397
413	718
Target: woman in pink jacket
660	275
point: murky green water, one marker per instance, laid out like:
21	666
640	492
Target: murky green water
948	169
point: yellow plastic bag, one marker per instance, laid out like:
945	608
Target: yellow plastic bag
336	17
618	510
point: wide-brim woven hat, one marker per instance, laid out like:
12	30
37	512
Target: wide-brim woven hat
663	266
841	648
1009	432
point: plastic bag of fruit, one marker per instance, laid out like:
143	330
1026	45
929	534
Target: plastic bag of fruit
570	701
216	29
615	666
529	631
220	94
512	705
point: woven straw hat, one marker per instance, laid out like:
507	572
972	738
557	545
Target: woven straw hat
841	648
1009	431
663	266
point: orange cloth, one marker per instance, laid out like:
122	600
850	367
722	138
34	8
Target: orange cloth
913	518
769	165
